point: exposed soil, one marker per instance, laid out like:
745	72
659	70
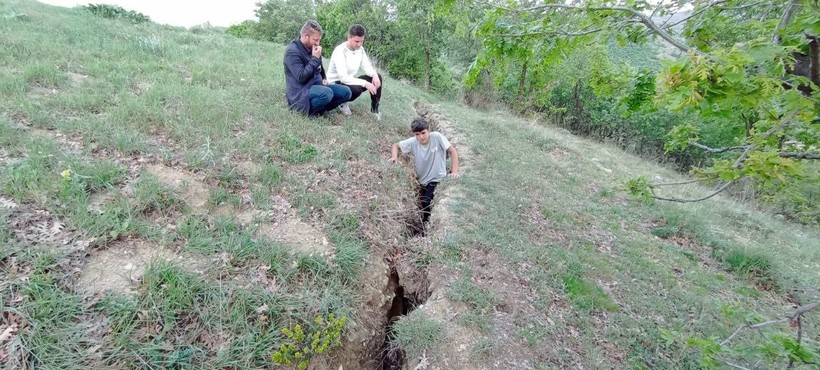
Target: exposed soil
119	267
193	191
293	232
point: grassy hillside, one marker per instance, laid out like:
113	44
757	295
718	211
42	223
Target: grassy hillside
162	208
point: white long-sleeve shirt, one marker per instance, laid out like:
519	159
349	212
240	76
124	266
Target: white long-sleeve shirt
344	63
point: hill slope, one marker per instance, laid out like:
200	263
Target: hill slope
163	209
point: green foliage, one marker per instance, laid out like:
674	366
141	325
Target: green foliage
245	29
301	345
642	93
640	188
281	20
709	348
728	91
117	12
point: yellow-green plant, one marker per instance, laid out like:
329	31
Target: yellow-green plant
300	347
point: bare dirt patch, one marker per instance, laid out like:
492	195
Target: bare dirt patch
120	267
76	78
39	92
4	157
305	238
193	191
283	225
68	143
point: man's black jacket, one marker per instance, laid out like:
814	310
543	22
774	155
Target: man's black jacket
302	71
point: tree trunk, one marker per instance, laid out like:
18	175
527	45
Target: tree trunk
577	109
427	68
521	82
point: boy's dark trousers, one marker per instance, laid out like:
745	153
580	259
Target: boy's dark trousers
426	194
357	90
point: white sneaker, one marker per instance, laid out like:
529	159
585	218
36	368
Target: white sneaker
345	109
378	116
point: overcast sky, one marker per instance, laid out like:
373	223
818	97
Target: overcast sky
185	13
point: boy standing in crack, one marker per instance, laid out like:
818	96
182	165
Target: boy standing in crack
430	151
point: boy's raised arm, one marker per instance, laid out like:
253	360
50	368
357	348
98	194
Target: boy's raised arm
454	166
394	153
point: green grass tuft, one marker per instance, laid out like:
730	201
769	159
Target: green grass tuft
587	296
417	332
756	268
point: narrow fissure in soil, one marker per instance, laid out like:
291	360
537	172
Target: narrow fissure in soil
391	356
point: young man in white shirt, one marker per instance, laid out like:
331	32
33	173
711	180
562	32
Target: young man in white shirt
346	60
429	151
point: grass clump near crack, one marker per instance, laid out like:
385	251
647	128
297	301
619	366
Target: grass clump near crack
416	332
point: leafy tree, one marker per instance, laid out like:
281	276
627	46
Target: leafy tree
281	20
337	16
418	40
751	67
245	29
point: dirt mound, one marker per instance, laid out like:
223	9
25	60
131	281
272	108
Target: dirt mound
192	190
120	267
294	232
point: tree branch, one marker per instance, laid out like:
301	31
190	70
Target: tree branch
788	13
800	155
674	183
740	7
554	33
799	339
785	122
789	318
635	13
658	7
719	150
694	14
716	192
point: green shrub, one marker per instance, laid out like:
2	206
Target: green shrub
300	346
245	29
117	12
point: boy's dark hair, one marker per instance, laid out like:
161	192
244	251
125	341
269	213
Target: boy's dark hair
419	125
356	30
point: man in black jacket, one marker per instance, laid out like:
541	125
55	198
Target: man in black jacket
306	85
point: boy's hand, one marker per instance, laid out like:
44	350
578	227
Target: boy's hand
453	175
394	160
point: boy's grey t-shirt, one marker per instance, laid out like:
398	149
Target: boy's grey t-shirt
431	159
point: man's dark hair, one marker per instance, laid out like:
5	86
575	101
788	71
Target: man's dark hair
419	125
310	27
356	30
